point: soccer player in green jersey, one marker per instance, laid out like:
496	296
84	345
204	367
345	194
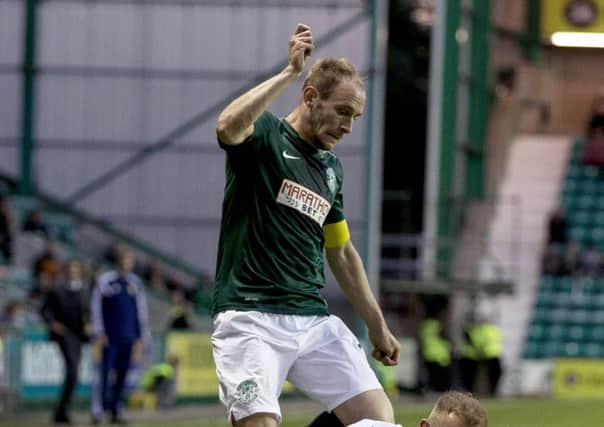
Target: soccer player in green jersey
282	215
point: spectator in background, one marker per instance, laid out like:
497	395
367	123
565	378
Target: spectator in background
160	379
552	262
179	316
557	227
591	262
571	258
435	345
595	127
34	223
44	283
47	261
6	231
481	351
119	318
111	253
154	277
65	311
593	151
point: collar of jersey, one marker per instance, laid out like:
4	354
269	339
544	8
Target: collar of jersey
299	143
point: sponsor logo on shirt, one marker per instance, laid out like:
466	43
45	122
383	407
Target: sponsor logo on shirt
289	156
303	200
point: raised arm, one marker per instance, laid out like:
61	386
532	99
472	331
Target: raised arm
347	267
236	122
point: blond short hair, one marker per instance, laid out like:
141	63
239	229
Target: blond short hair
464	406
327	73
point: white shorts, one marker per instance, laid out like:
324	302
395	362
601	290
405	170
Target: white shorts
256	352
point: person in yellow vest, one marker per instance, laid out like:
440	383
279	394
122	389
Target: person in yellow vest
161	380
482	348
435	350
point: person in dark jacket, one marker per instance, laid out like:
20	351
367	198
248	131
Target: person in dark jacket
65	312
6	230
34	223
179	316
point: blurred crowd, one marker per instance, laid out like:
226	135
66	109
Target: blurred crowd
49	268
565	257
79	300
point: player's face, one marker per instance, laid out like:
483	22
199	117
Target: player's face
74	270
332	118
126	261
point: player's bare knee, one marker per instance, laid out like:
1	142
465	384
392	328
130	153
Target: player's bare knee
372	404
257	420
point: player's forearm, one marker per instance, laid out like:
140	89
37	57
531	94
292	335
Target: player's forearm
236	122
347	267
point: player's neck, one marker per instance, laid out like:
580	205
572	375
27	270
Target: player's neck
300	123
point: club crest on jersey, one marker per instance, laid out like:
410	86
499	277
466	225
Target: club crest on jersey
303	200
331	180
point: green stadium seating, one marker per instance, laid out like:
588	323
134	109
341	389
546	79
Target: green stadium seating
568	313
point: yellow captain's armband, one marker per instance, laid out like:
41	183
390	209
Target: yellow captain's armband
336	234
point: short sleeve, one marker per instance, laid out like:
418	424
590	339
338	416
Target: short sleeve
259	139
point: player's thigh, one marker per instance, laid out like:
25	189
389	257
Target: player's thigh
372	404
335	371
251	371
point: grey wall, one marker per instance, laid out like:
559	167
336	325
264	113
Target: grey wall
10	105
116	76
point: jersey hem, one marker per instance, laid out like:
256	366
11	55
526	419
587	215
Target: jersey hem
271	310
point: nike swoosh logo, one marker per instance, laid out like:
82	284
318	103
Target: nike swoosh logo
287	156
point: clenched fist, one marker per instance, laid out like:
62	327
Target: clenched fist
300	48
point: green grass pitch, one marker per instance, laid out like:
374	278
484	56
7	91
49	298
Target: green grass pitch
502	413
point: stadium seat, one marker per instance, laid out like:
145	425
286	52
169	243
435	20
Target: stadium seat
577	333
531	350
580	218
569	349
551	349
556	332
537	332
593	350
596	334
568	312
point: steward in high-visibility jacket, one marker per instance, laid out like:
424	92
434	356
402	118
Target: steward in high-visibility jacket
483	347
436	354
157	374
435	348
484	341
160	379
